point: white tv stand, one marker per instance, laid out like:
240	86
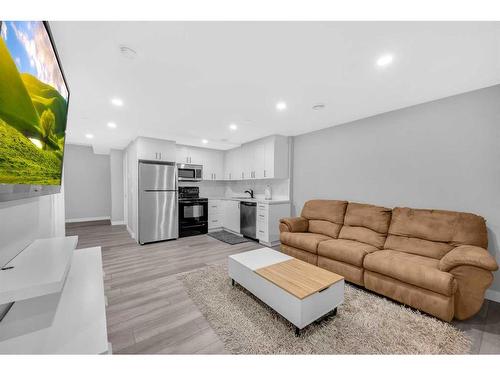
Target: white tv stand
58	300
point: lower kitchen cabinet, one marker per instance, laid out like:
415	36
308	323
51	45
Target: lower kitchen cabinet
231	216
226	214
268	221
215	214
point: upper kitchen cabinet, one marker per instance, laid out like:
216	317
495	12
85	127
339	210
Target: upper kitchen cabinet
233	165
265	158
213	165
189	155
276	157
211	160
155	149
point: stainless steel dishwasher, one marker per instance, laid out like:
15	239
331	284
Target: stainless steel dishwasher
248	219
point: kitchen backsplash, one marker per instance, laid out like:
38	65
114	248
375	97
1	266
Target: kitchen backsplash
280	188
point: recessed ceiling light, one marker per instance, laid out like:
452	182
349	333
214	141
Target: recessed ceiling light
89	136
318	106
112	125
233	127
117	101
385	60
204	141
281	106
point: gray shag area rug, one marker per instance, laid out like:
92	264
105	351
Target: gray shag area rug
365	323
228	237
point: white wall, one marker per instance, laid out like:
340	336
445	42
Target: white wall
87	183
443	154
117	191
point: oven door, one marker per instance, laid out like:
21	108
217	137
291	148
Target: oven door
193	217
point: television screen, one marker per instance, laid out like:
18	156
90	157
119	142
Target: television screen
33	106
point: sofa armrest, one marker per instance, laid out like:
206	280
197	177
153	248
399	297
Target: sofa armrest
294	224
467	255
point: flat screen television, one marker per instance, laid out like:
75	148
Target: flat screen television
34	99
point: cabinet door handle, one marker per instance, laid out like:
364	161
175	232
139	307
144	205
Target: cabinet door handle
214	221
215	176
261	231
264	173
261	215
160	155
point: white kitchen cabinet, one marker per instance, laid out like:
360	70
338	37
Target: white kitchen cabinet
231	217
276	160
213	165
155	149
233	166
189	155
215	214
211	160
268	221
262	159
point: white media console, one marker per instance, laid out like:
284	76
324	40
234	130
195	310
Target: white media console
57	300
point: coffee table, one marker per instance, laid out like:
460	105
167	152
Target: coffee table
300	292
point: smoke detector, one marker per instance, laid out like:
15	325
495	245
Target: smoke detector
128	52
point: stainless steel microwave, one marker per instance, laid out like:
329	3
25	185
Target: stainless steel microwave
189	172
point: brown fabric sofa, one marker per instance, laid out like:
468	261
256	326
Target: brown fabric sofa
433	260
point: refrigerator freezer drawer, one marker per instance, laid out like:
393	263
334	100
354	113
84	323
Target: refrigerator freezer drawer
158	216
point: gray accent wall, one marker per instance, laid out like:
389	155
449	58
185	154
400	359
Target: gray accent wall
443	154
87	183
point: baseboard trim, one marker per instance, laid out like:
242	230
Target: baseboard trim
119	222
492	295
82	219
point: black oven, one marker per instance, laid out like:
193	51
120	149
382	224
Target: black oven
193	212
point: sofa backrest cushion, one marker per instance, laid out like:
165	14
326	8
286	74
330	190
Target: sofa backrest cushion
433	233
325	216
366	223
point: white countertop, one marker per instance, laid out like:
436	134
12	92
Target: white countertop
258	200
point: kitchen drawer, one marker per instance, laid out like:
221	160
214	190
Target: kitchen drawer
214	221
262	218
262	207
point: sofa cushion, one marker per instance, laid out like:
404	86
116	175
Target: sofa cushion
361	234
417	246
455	228
352	252
329	210
366	223
324	227
376	218
412	269
303	241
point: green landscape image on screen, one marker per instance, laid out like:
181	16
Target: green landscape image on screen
33	106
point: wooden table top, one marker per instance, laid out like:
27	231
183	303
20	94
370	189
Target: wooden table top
299	278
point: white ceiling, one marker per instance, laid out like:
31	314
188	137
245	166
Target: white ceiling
190	80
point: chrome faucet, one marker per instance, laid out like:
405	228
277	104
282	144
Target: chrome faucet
249	191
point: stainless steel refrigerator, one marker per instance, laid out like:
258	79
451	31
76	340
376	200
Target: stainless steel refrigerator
158	207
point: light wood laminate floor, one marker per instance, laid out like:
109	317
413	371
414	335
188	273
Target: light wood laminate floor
150	312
